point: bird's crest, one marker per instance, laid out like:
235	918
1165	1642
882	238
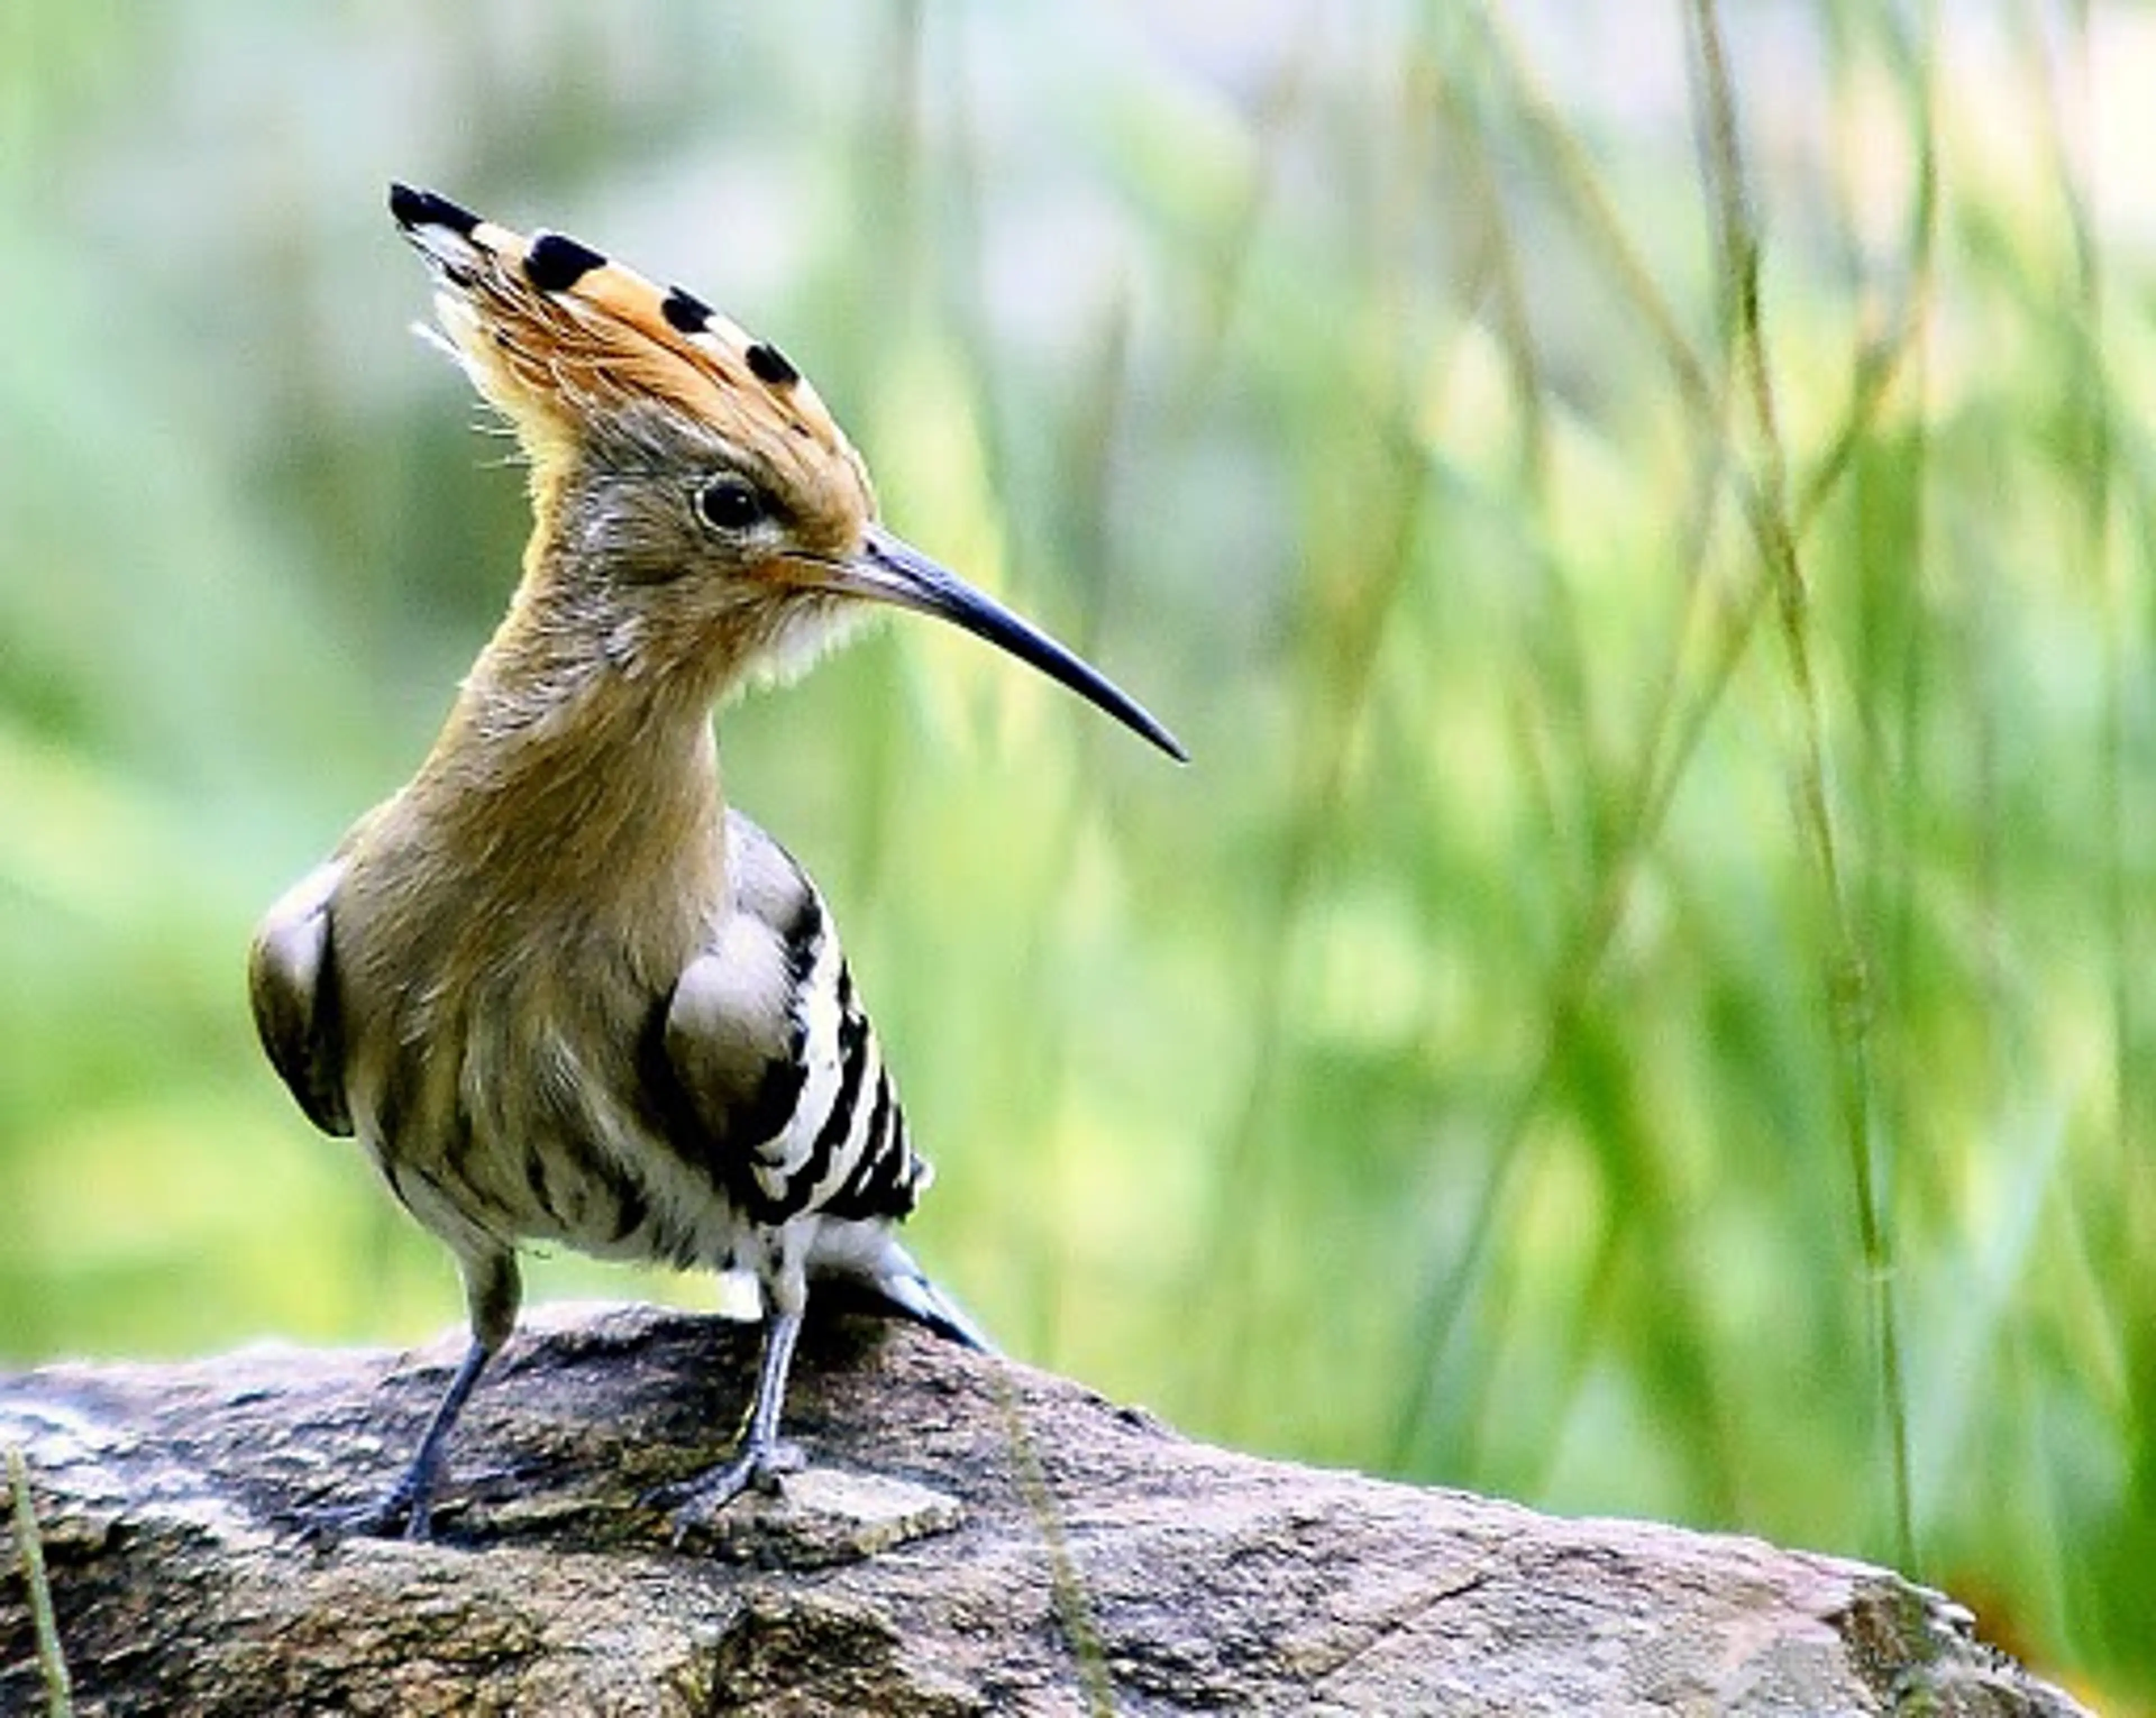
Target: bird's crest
556	336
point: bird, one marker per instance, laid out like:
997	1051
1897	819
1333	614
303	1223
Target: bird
559	990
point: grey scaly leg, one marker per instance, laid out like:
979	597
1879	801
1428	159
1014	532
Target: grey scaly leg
761	1457
493	1291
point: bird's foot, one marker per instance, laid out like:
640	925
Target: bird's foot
696	1504
398	1513
405	1511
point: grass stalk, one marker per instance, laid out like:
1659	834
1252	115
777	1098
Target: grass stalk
1849	984
52	1660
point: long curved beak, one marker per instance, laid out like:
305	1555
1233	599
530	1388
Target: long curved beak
888	570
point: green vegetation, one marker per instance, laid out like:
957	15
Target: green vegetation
1645	1001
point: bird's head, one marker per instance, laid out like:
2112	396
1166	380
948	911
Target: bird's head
694	496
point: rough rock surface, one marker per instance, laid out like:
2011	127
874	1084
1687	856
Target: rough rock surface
973	1537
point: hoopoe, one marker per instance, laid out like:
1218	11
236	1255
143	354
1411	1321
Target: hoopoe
558	988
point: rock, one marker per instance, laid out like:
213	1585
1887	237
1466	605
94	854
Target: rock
971	1536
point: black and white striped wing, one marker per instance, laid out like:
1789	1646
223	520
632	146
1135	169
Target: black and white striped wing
787	1103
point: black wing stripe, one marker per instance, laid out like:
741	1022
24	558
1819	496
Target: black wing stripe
884	1178
853	1040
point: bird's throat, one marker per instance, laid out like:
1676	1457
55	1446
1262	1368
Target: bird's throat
558	780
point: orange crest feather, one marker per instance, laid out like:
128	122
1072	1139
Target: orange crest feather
556	336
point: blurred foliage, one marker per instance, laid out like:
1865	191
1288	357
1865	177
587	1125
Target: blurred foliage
1645	1001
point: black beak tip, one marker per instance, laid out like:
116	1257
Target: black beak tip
1143	723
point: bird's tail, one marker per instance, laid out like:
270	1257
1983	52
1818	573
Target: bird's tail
868	1257
912	1294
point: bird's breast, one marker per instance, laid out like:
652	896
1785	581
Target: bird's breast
502	1098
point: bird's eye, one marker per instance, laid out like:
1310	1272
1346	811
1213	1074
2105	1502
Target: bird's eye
729	503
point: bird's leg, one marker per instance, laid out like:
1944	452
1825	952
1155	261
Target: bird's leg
493	1289
761	1456
407	1508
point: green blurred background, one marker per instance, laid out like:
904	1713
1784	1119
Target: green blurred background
1645	1001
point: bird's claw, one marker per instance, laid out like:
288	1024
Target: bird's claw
398	1514
406	1511
695	1504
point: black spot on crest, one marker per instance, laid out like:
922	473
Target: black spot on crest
768	365
556	261
425	209
685	311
